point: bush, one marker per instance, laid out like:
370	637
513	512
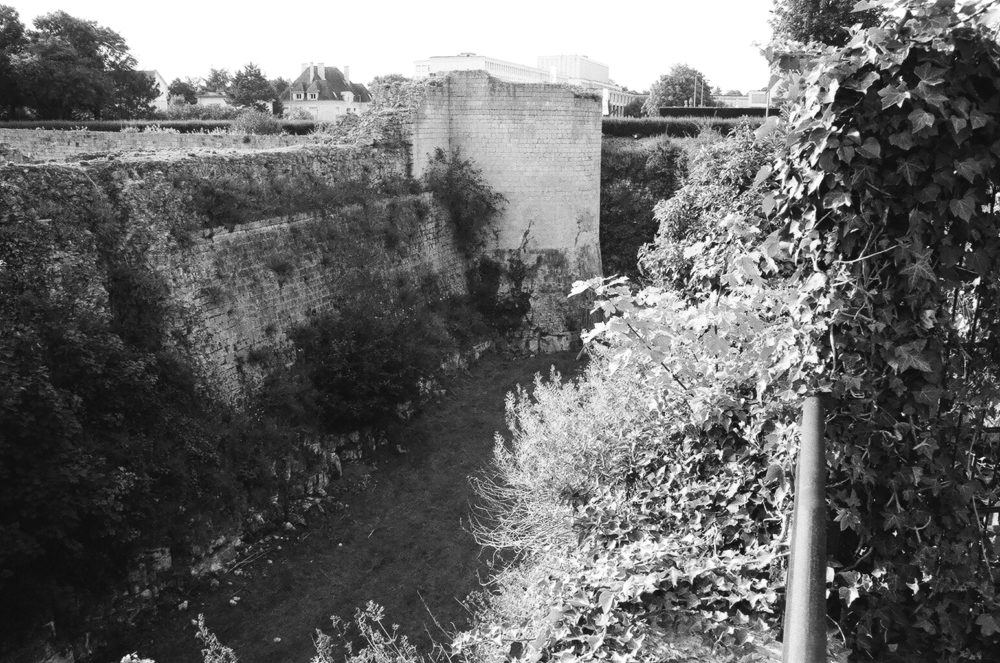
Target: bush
358	364
635	175
676	127
459	187
255	122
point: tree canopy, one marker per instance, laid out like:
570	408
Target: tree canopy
250	89
67	68
678	88
179	89
825	21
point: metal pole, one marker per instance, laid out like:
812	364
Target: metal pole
805	590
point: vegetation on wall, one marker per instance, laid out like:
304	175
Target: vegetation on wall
459	187
106	444
635	175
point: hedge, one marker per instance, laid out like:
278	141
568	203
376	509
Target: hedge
676	127
295	127
713	111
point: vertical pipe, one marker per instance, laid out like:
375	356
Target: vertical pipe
805	591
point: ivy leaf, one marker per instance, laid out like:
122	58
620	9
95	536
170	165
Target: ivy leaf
958	123
988	624
903	140
762	175
963	207
768	203
979	119
969	169
920	119
930	74
893	96
870	149
863	84
836	198
909	356
910	169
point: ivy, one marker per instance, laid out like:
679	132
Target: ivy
888	196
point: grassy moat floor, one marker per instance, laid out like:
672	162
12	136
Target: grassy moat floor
400	537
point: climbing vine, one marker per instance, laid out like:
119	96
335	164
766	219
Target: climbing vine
888	192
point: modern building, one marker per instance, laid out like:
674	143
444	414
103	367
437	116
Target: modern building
325	93
578	70
161	102
502	69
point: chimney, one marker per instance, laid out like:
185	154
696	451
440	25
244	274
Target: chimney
347	74
305	65
321	71
312	73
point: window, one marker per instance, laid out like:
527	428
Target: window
313	95
298	96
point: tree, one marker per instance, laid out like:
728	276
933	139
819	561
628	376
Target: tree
678	88
634	107
179	89
12	41
824	21
70	68
217	81
249	89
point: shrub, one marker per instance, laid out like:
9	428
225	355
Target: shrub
459	187
358	363
255	122
635	175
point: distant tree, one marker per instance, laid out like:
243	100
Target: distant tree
217	81
678	88
823	21
250	89
388	89
279	84
634	107
76	68
179	89
733	93
12	42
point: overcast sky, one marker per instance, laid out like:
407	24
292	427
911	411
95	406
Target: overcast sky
637	40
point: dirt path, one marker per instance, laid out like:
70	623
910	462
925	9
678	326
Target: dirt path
400	537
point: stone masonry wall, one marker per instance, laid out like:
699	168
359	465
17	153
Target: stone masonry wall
540	146
235	289
56	145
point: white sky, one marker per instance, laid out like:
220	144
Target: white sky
638	40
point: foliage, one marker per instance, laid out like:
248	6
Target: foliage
634	108
179	89
199	112
218	80
721	182
635	175
674	127
252	121
67	67
250	89
213	651
827	22
678	88
106	444
379	643
497	292
357	364
460	188
888	196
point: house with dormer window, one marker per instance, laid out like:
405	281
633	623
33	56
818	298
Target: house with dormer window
326	93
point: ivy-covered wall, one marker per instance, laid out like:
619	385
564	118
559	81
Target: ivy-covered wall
246	246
